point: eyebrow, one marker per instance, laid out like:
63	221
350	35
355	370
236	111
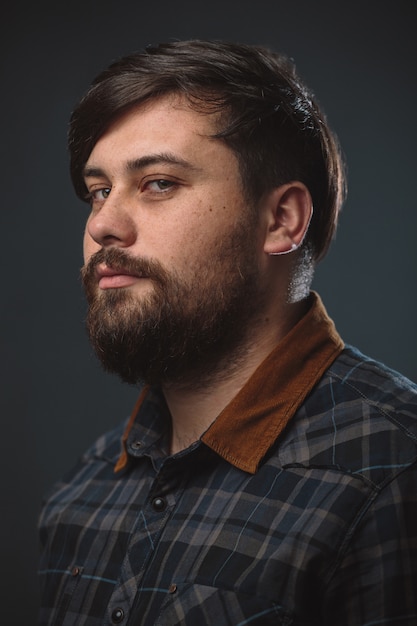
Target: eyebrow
133	165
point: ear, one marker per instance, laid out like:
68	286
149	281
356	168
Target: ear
288	211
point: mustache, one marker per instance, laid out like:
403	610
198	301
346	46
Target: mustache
118	260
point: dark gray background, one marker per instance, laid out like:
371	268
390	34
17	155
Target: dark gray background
359	58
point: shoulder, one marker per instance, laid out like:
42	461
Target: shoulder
384	398
365	387
360	419
97	461
374	382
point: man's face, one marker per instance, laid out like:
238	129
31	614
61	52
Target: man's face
171	248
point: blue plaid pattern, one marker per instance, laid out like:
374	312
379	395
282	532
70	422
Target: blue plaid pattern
323	533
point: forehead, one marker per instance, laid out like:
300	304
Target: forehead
166	121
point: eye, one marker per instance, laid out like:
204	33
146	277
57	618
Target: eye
159	185
98	195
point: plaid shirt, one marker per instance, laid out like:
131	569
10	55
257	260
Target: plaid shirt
304	515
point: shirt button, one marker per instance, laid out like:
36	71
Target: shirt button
117	615
159	504
136	445
172	588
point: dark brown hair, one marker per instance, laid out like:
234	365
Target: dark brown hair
266	115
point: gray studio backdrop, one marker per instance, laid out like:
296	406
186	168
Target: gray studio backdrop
358	56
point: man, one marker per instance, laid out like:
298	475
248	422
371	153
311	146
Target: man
267	474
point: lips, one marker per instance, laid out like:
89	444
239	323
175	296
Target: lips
114	278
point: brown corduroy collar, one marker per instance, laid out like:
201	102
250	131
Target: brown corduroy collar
250	424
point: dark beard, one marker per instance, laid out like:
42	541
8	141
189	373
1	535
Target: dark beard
180	333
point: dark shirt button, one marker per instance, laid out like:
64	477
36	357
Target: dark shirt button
159	504
172	588
136	445
117	616
75	571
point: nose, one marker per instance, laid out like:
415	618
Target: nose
112	224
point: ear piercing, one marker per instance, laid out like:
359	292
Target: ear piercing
294	246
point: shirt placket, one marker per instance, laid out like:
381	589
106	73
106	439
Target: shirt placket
131	593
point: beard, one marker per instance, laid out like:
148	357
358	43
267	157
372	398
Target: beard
182	332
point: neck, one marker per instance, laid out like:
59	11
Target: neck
194	407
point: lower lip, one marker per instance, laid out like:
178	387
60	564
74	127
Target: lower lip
117	281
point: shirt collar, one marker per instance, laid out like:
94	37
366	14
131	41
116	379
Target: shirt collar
251	423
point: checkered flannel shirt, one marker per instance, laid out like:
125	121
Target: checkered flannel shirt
321	530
